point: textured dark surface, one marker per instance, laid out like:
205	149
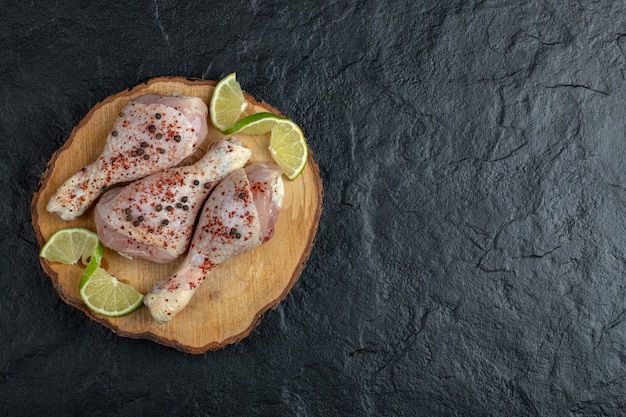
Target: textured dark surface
470	258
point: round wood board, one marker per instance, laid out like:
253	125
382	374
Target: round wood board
238	292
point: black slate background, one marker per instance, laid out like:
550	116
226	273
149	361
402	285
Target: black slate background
470	258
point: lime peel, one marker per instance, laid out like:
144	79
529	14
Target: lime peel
255	124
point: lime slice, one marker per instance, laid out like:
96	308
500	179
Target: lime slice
227	103
69	245
288	148
105	294
255	124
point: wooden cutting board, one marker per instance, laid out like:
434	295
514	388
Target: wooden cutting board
238	292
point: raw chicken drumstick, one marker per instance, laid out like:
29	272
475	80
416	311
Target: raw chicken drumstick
153	218
152	133
239	215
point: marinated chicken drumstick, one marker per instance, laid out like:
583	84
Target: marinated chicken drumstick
239	215
153	218
152	133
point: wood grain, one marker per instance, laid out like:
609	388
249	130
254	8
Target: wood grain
231	301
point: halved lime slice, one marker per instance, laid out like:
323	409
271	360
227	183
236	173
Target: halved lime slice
255	124
288	148
104	294
227	103
69	245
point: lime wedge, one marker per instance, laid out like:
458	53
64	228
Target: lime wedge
255	124
227	103
69	245
288	148
105	294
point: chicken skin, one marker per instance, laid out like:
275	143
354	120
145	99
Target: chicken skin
152	133
239	215
153	218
